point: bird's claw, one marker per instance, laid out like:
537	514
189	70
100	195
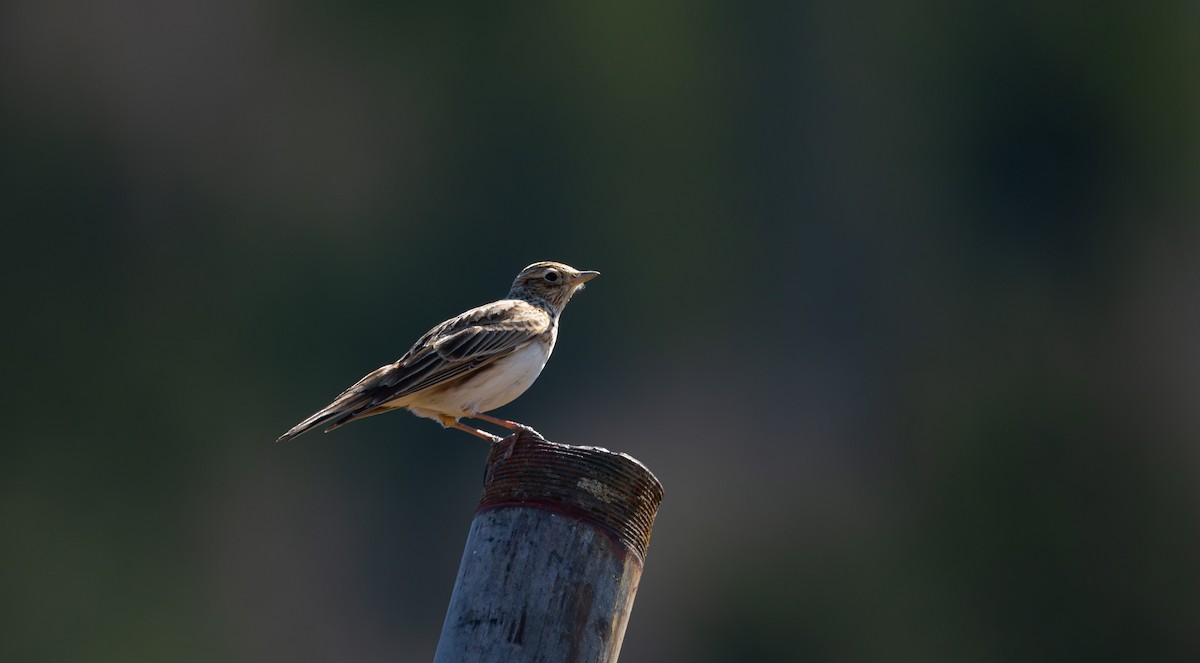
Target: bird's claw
514	426
522	428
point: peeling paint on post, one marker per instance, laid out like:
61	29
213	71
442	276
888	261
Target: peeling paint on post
553	556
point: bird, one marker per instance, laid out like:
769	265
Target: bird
470	364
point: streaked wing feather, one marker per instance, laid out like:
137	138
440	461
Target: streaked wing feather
452	349
479	341
448	372
458	346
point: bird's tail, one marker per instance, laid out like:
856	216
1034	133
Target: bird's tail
312	422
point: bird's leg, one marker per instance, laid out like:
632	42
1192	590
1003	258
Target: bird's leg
505	423
451	422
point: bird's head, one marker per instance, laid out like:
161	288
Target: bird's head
551	282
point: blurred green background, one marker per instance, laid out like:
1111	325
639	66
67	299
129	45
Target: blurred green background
901	302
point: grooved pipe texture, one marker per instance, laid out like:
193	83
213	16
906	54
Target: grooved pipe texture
553	556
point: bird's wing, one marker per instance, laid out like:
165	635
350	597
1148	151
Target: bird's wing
472	339
456	347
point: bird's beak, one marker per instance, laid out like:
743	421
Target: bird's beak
584	277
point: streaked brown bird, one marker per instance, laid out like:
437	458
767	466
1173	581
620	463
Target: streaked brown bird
470	364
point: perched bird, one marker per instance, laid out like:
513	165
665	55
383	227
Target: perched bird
472	363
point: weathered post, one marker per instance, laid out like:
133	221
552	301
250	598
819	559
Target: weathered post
553	556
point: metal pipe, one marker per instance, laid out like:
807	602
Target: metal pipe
553	556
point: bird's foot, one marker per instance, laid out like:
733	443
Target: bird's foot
451	422
505	423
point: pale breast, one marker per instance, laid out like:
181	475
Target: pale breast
492	386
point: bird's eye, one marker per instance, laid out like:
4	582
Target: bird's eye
551	276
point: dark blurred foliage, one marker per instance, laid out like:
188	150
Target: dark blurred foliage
900	301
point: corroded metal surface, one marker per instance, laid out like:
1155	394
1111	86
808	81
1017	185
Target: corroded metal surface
553	557
609	489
